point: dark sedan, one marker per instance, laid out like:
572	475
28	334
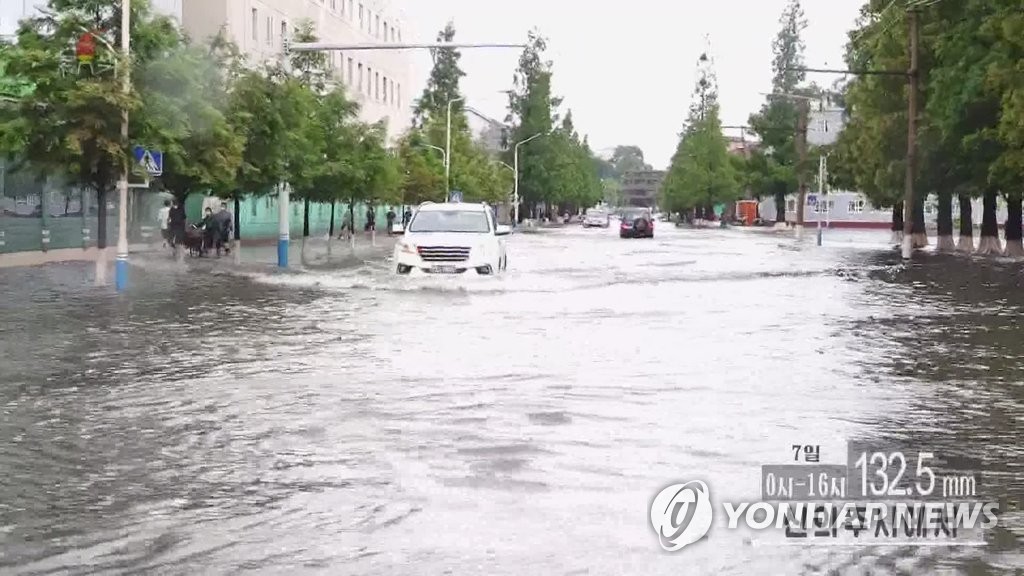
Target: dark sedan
636	223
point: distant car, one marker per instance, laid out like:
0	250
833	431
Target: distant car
598	218
452	238
636	223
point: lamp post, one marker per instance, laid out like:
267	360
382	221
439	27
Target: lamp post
448	149
515	169
121	266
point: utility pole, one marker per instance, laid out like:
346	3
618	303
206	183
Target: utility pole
121	264
801	150
908	199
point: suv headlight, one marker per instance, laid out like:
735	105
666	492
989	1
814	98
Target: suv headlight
407	247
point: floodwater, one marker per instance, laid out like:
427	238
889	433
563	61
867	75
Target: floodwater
355	422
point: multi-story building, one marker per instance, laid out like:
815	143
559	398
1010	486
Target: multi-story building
378	79
640	188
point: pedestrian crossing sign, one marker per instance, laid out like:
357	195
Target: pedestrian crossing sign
152	161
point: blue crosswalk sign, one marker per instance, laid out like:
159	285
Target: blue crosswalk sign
152	161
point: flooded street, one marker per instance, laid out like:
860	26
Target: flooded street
356	422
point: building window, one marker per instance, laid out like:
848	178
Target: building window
255	25
376	32
376	85
399	34
351	8
360	77
350	65
361	14
270	30
385	30
385	89
334	4
369	81
399	94
392	92
392	33
284	31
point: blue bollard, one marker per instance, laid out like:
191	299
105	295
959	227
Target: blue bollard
121	272
282	251
283	227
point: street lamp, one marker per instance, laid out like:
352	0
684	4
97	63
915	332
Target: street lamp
444	155
515	169
448	149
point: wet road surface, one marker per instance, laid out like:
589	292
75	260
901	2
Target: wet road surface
354	422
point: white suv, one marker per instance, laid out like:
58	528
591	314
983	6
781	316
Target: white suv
452	238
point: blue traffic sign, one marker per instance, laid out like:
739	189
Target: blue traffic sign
455	196
152	161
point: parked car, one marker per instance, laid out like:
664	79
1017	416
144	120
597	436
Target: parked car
636	223
598	218
452	238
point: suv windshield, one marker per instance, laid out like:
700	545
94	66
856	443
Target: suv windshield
634	214
450	221
595	213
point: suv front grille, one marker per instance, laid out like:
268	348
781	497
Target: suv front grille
444	253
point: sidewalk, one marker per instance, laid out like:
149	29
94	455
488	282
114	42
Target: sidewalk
261	255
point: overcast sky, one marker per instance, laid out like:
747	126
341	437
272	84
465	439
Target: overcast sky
627	69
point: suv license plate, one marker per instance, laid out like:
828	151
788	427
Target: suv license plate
443	270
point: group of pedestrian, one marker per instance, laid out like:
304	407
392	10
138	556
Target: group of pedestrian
371	221
213	232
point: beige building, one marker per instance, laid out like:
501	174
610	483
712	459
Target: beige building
378	79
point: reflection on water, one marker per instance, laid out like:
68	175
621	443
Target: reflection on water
351	421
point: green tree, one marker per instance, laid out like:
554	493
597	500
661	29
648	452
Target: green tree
70	124
532	111
1004	27
443	84
422	170
560	168
305	85
628	159
472	171
338	173
775	124
702	172
185	95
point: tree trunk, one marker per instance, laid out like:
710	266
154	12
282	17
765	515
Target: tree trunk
919	233
989	243
330	233
352	223
305	217
897	224
237	248
780	208
238	219
1014	232
966	242
945	223
101	215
